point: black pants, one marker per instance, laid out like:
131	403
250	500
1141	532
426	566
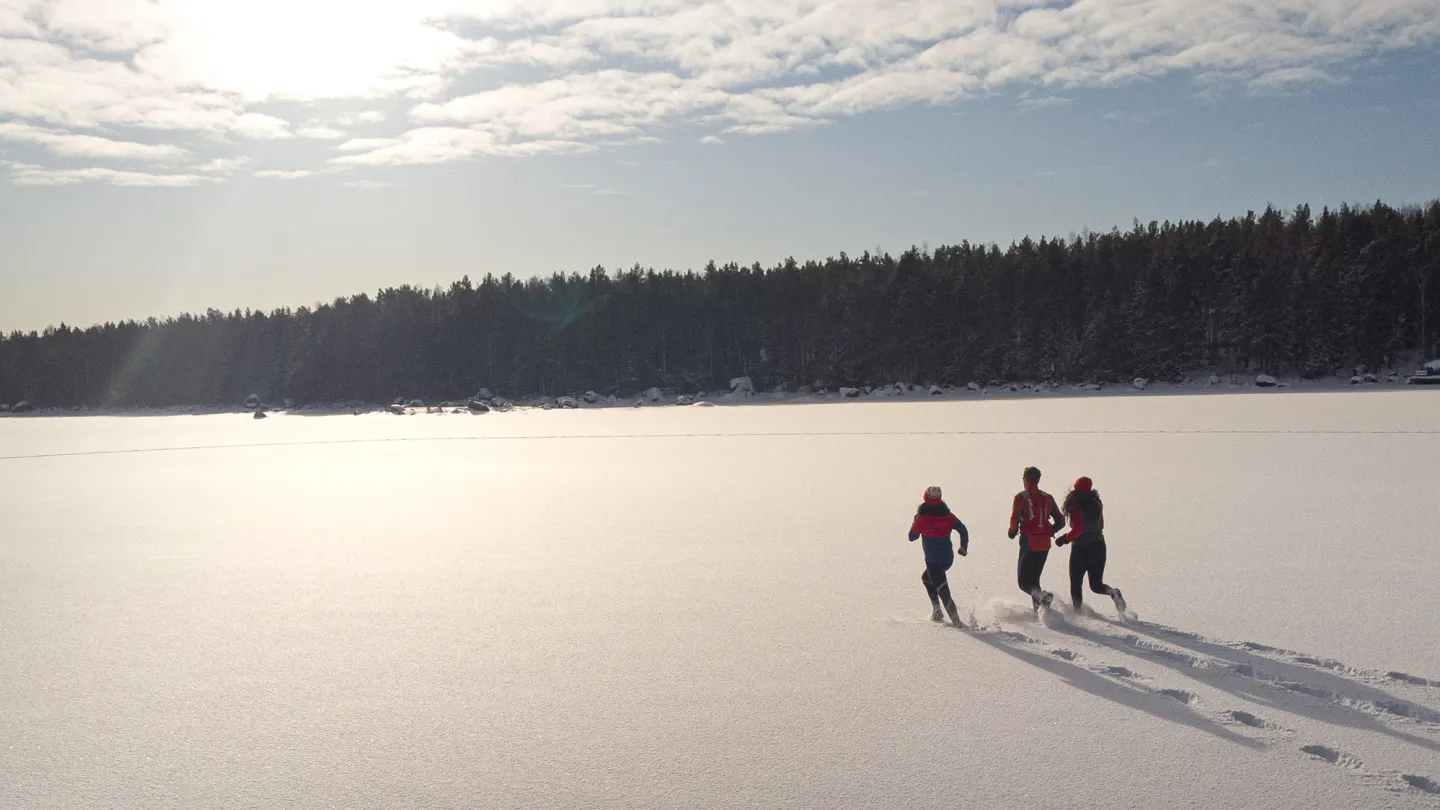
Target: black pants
1087	559
1032	563
936	585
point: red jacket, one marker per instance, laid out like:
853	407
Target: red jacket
934	525
1035	514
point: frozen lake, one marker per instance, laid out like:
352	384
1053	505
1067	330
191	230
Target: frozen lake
717	607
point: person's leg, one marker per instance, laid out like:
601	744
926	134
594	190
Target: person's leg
1078	565
928	580
1022	570
942	589
1097	580
1040	558
1096	568
1032	563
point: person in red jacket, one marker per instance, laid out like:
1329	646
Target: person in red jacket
1087	532
933	522
1035	517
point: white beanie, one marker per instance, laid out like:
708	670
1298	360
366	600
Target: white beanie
932	492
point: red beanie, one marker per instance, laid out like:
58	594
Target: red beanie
1083	483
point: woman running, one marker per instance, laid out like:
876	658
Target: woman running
934	521
1087	531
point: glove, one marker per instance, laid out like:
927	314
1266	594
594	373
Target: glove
1062	541
963	552
1011	534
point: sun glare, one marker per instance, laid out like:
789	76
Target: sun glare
302	49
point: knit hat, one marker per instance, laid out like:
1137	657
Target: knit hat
1084	484
932	492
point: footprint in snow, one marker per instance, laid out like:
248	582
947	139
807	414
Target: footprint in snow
1413	680
1421	783
1334	756
1248	719
1188	698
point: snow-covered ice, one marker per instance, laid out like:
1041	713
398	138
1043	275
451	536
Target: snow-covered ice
683	607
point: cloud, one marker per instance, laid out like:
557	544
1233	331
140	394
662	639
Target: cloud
366	117
1290	77
1043	103
223	166
548	76
367	184
366	144
286	174
24	174
320	133
261	127
76	145
712	139
446	144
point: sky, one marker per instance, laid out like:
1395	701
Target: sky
162	156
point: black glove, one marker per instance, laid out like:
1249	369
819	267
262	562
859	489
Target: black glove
1062	541
1011	534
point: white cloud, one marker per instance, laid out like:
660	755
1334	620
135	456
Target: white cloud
367	184
320	133
74	145
366	144
1043	102
446	144
261	127
712	139
286	174
366	117
82	68
223	165
1285	78
24	174
584	105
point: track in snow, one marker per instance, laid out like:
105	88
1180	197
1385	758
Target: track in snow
1398	705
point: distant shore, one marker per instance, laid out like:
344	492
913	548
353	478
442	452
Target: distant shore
1199	385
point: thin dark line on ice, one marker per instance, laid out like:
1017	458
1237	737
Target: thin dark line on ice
775	434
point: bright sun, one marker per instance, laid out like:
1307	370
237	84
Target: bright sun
303	49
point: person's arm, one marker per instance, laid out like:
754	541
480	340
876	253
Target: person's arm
1014	517
1077	526
914	535
964	537
1057	519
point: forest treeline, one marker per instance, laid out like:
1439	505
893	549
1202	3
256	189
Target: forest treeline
1283	293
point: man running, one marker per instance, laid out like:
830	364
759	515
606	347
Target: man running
1035	517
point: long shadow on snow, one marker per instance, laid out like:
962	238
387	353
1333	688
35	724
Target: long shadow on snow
1151	703
1284	687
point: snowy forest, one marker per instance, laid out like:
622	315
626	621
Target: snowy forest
1287	294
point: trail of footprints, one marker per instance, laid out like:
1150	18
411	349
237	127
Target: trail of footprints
1271	732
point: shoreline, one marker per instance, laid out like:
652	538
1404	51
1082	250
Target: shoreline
1007	392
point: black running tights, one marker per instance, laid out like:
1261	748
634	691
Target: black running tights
936	585
1087	559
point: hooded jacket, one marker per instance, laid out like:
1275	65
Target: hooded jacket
932	526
